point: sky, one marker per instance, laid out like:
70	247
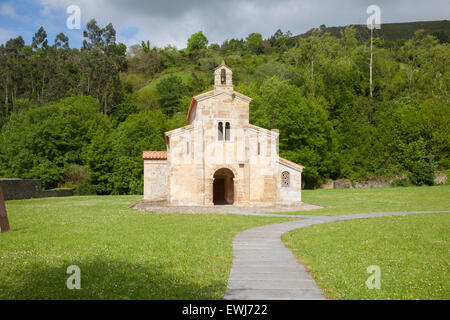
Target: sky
171	22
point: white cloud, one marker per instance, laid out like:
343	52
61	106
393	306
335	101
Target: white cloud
173	21
6	9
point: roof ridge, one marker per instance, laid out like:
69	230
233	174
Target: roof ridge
290	162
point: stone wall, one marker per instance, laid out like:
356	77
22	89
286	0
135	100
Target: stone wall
15	189
289	194
440	178
155	180
342	184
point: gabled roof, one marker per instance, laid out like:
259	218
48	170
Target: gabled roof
154	155
181	129
210	94
263	130
291	164
222	65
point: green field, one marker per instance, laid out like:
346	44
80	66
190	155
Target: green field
127	254
347	201
122	253
411	251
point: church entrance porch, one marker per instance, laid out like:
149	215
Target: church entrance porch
223	187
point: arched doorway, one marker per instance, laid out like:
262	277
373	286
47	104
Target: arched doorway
223	187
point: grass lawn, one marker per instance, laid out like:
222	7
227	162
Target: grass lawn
122	253
347	201
412	252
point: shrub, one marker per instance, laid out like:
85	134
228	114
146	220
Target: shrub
42	142
77	177
402	182
122	111
86	189
422	173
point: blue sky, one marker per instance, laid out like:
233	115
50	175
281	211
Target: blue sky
171	22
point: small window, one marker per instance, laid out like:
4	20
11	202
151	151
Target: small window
259	148
285	179
223	76
220	131
187	147
227	131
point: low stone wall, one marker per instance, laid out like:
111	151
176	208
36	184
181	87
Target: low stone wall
15	189
440	178
342	184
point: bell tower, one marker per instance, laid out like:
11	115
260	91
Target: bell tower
223	78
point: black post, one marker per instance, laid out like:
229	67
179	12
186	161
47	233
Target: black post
4	224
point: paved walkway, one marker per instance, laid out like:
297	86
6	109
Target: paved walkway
162	207
264	269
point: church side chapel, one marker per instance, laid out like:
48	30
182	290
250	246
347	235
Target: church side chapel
220	158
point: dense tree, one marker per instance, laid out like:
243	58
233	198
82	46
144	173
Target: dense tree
255	43
306	133
171	90
101	63
43	142
115	159
196	42
40	39
314	88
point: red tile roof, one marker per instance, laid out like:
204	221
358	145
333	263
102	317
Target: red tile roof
154	155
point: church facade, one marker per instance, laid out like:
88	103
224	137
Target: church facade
220	158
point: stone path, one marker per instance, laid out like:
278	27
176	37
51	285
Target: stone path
264	269
162	207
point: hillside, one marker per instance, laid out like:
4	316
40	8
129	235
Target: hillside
396	31
81	118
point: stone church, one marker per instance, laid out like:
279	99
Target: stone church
220	158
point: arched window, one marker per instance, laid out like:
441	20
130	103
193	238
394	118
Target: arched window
227	131
220	131
223	76
285	179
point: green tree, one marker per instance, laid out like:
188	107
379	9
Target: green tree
100	64
138	133
255	43
306	133
171	90
40	39
196	42
42	142
121	111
